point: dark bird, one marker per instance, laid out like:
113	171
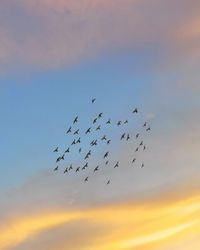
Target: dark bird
95	120
74	142
108	122
108	182
123	136
69	130
70	168
86	179
88	131
86	157
108	141
133	160
58	159
56	169
67	151
116	165
106	155
96	169
135	110
89	152
98	128
128	137
66	170
145	124
93	100
77	170
141	143
142	165
93	143
100	115
148	129
75	120
119	123
106	162
85	166
136	149
62	157
55	150
76	132
79	150
79	140
144	147
126	122
103	138
137	135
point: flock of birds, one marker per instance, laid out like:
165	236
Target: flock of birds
95	126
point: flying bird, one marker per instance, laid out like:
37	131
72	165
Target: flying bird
103	138
119	123
137	135
116	165
67	151
108	141
75	120
70	168
106	155
88	131
77	170
95	120
136	149
145	124
126	122
74	142
76	132
69	130
108	182
55	150
86	179
106	162
135	110
79	150
96	169
123	136
93	100
66	170
128	137
144	147
100	115
142	165
79	140
133	160
109	121
148	129
98	128
141	143
56	169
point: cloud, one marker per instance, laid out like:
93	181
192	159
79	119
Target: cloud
54	34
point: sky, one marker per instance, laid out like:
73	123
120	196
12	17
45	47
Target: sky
55	56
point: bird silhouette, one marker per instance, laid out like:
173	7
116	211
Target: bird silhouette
106	162
108	182
148	129
126	122
62	157
75	120
144	148
77	170
145	124
119	123
79	150
93	100
98	128
100	115
86	179
95	120
74	142
103	138
69	130
123	136
96	169
56	168
128	137
55	150
66	170
76	132
137	135
106	155
108	141
67	151
70	168
142	165
116	165
136	149
141	143
58	159
109	121
79	140
88	131
135	110
133	160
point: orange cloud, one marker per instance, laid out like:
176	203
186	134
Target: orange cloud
145	225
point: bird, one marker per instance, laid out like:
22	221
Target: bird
67	150
93	143
133	160
66	170
135	110
77	170
79	150
100	115
88	131
145	124
96	169
69	130
89	152
141	143
62	157
58	159
103	138
116	165
85	166
55	150
79	140
108	182
123	136
126	122
119	123
106	162
136	149
148	129
76	132
86	157
70	168
144	147
142	165
108	141
137	135
108	122
86	179
93	100
106	155
99	127
75	120
56	168
74	142
95	120
128	137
